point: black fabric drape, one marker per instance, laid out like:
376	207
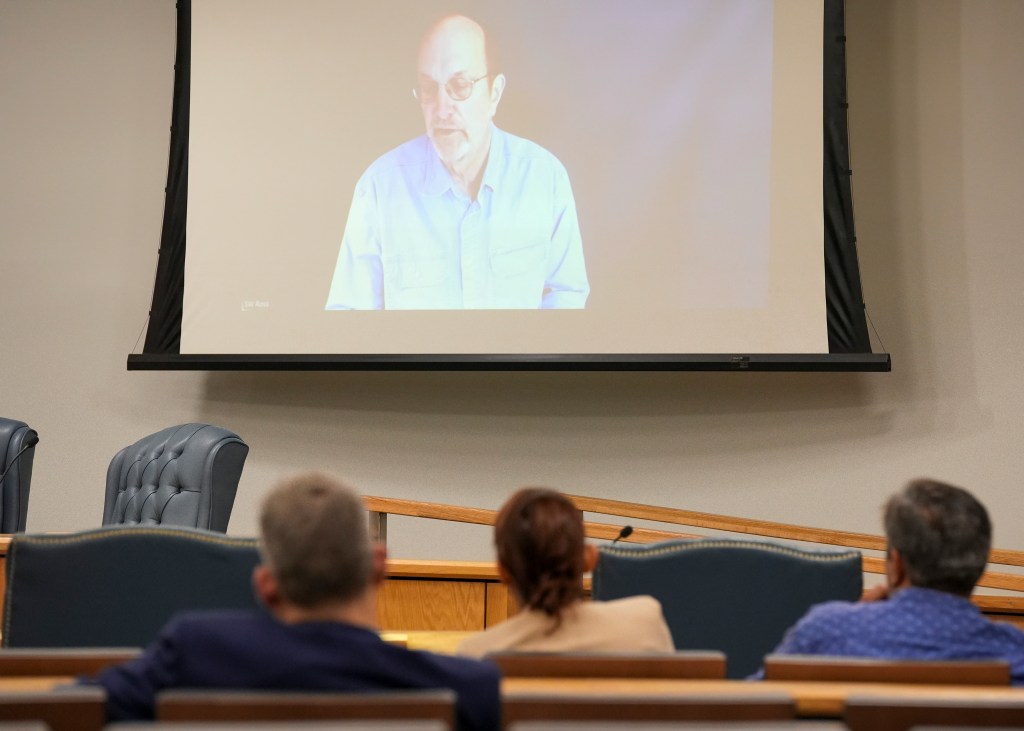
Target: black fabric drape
847	325
164	333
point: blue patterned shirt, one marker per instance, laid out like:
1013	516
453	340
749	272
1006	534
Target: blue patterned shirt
914	624
414	241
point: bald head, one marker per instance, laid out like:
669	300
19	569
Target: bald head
456	35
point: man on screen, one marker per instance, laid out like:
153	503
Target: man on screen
466	216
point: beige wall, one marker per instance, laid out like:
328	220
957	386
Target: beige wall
937	109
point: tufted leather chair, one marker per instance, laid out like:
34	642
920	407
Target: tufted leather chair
735	596
14	436
186	475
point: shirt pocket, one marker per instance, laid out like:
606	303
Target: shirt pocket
518	259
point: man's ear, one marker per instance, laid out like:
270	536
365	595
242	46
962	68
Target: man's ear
895	569
590	557
497	89
264	583
379	570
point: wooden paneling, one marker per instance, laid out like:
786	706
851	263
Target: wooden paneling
501	604
431	605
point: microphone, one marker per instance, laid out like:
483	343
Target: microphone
626	532
30	441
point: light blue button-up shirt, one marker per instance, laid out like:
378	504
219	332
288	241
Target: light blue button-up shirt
415	241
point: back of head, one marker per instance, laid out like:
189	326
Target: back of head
314	538
943	534
539	538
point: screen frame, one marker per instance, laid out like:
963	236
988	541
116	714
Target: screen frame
848	339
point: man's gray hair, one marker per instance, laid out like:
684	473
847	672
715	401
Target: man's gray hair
943	534
314	538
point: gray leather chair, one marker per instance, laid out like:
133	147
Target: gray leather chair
117	586
735	596
15	436
185	475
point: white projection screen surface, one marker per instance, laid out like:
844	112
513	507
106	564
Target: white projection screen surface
653	181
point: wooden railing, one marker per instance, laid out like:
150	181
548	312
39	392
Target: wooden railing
380	508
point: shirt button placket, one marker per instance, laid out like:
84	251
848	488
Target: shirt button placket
474	258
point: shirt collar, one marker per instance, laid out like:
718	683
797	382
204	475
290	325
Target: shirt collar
437	180
917	594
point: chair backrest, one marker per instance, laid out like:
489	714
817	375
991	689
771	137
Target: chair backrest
116	587
870	670
258	705
706	665
334	725
735	596
14	435
796	725
521	707
62	661
24	726
890	713
184	475
70	709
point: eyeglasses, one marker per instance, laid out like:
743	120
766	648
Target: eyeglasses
459	88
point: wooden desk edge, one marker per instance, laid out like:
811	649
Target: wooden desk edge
401	568
811	698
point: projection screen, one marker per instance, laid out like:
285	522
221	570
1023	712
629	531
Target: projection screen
558	182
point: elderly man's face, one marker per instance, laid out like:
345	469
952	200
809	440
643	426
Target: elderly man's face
453	60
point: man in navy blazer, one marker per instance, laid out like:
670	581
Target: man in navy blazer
318	581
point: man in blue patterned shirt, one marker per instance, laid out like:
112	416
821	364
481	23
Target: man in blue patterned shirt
938	544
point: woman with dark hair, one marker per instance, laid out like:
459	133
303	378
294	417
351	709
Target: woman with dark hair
542	558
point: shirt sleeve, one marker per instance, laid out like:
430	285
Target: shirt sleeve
358	282
566	284
132	687
810	635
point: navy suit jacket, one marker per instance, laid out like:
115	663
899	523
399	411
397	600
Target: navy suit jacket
252	650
